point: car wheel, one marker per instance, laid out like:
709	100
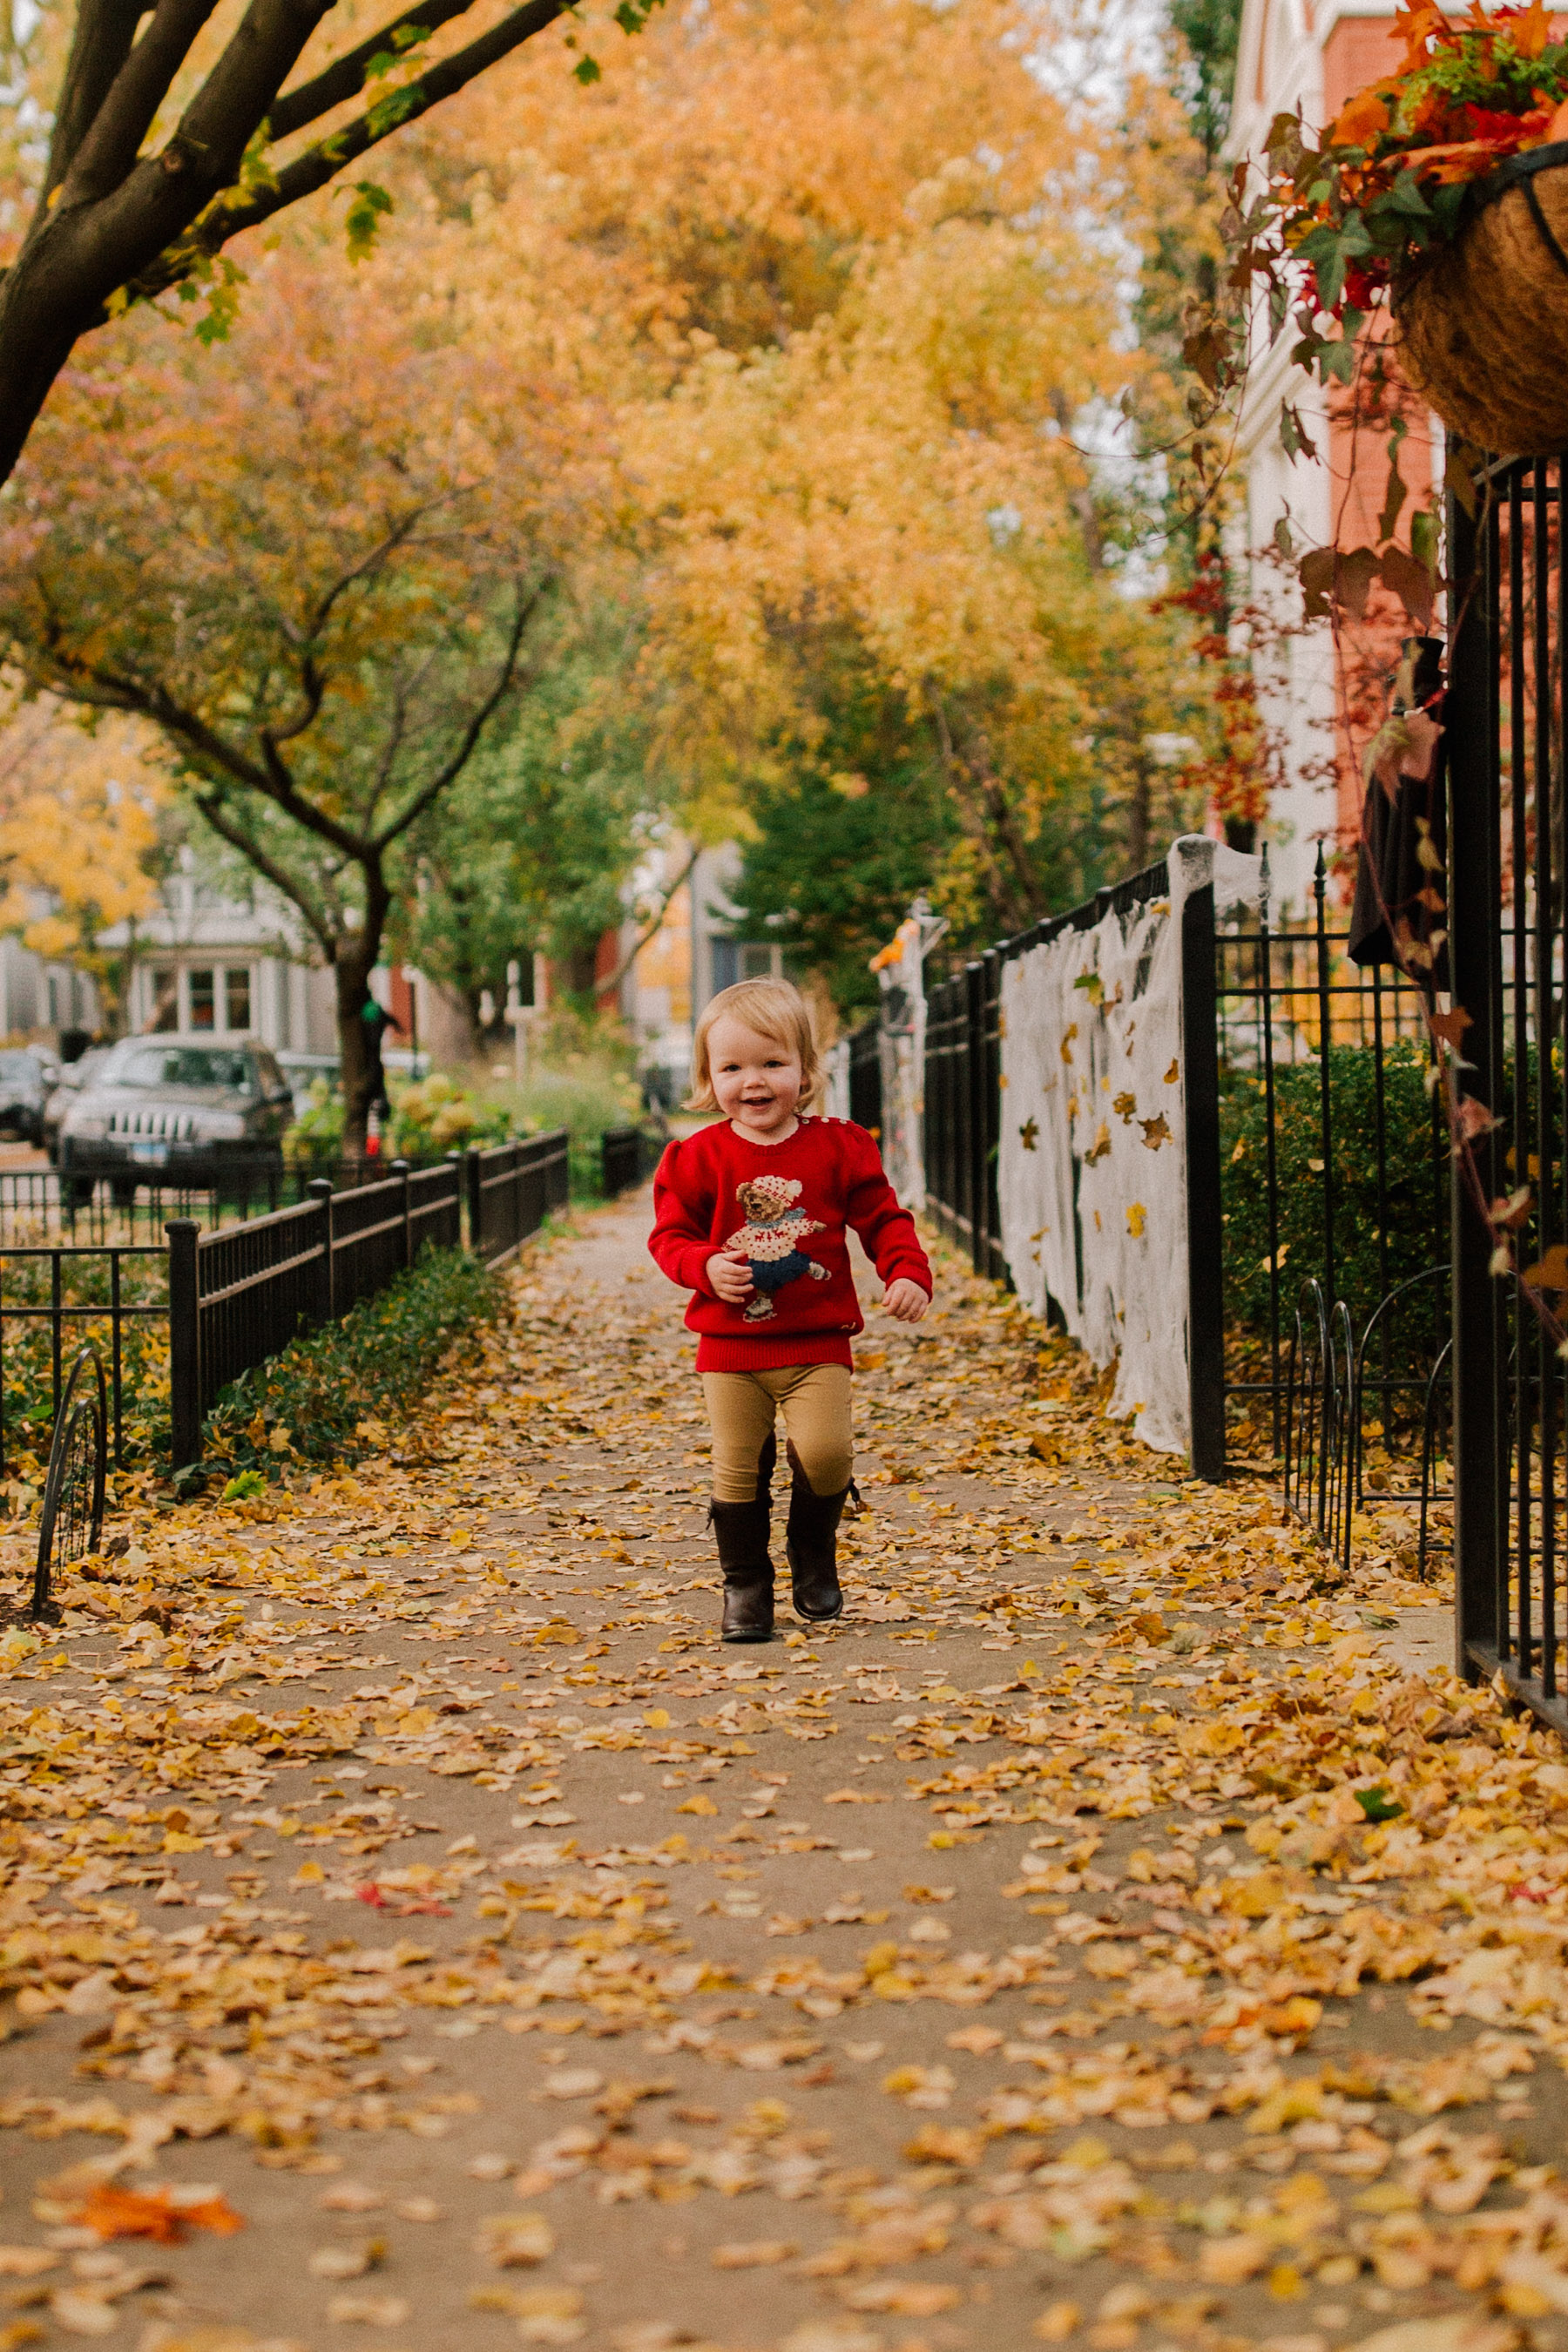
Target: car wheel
123	1193
75	1191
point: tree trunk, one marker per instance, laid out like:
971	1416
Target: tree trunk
352	969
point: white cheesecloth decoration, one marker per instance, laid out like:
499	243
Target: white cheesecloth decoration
1091	1174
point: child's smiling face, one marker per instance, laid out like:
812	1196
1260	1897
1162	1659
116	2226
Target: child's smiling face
756	1080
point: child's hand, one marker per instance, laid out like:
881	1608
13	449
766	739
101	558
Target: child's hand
730	1273
904	1300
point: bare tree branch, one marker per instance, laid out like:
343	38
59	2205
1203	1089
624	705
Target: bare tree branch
322	162
650	930
99	46
344	78
453	768
228	826
112	142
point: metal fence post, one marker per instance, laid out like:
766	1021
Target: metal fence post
978	1122
1475	955
400	1167
476	1200
185	1343
1205	1223
993	1263
320	1190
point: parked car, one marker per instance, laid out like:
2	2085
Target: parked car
26	1077
186	1112
65	1087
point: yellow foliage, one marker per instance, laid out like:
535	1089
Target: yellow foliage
78	827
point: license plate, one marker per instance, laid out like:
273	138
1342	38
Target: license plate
150	1155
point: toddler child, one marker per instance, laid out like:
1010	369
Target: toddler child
751	1215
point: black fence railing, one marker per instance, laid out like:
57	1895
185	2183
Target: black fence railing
866	1076
1506	727
512	1188
1317	1183
54	1300
627	1157
237	1296
39	1205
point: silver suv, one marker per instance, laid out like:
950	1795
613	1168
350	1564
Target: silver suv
187	1113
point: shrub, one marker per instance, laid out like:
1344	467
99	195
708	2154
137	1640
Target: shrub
1374	1248
585	1096
317	1133
323	1399
440	1114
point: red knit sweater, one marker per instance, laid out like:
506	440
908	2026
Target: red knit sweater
787	1206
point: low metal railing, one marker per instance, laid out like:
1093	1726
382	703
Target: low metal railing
512	1188
239	1295
627	1156
57	1296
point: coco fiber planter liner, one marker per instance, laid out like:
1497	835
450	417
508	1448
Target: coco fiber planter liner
1483	323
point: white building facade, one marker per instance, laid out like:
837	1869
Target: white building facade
1310	54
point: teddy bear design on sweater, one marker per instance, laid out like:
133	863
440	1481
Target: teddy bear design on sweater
771	1239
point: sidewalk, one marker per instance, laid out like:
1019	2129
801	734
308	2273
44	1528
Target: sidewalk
1101	1937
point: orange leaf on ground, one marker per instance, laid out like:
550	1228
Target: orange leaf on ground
154	2213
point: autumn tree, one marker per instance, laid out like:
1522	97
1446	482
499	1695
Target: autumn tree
81	841
309	560
174	125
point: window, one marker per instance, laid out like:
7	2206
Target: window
761	962
165	998
184	1066
203	1001
237	997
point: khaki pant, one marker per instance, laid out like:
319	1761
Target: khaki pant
814	1400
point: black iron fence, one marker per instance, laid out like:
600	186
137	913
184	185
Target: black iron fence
239	1296
1317	1184
176	1319
512	1188
1504	716
52	1301
627	1156
39	1206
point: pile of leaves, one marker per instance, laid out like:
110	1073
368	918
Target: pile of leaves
1388	184
1221	1999
327	1396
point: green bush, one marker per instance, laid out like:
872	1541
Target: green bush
1372	1253
317	1133
326	1397
585	1096
440	1114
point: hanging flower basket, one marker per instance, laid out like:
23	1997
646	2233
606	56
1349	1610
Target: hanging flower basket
1440	195
1483	322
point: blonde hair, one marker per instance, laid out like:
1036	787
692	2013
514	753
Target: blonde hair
774	1008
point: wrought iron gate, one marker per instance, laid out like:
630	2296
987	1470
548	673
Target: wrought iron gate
1507	871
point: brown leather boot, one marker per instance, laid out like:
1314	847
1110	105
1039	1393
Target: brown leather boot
811	1544
740	1531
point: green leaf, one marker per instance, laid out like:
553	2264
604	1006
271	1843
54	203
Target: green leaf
363	217
395	108
587	71
1336	359
1405	197
1377	1804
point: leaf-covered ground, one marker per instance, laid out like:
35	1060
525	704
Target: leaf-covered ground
418	1932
